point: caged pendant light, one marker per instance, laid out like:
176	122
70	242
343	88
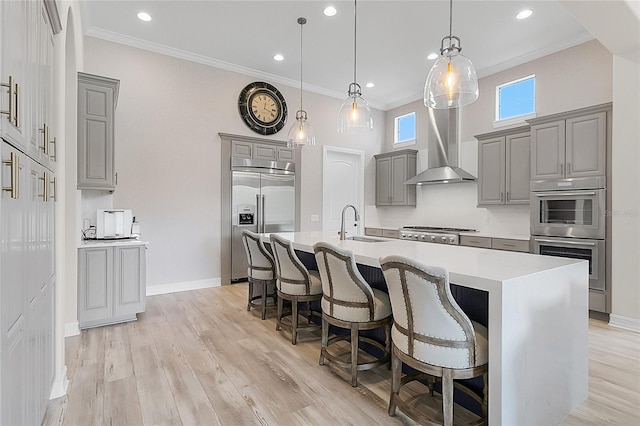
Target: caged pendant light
354	112
452	81
301	133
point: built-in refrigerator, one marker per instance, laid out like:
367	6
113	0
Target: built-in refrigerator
262	200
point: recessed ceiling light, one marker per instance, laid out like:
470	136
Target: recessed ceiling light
278	57
330	11
432	56
524	14
370	85
144	16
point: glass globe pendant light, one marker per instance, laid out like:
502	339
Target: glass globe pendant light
301	133
354	112
452	81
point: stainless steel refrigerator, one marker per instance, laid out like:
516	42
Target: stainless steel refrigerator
263	200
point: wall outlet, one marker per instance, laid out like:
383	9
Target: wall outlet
315	218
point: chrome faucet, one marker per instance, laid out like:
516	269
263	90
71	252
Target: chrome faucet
342	232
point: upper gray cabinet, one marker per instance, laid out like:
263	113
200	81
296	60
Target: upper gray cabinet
503	167
570	145
97	98
392	170
261	151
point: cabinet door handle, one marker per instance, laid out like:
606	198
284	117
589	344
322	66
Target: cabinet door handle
14	164
54	157
16	104
507	195
116	178
54	197
561	169
45	139
11	112
45	187
502	196
568	169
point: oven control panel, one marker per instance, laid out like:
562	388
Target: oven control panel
428	237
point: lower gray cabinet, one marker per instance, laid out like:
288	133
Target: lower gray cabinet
111	284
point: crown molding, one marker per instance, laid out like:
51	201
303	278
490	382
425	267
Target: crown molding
201	59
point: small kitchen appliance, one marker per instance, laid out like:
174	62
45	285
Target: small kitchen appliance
431	234
113	224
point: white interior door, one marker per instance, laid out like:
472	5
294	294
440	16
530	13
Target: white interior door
342	183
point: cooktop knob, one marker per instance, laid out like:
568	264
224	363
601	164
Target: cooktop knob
444	239
452	240
433	238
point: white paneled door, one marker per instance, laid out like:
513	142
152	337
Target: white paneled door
342	183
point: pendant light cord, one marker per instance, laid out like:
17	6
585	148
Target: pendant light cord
355	35
301	25
450	18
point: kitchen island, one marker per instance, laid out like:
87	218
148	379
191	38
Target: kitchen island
537	320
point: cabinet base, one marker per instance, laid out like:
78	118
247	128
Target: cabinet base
107	321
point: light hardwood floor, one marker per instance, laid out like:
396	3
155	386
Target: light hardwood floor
199	358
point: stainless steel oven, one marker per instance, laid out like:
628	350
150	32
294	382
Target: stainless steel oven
576	248
569	208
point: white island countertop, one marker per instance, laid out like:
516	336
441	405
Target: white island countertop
112	243
538	320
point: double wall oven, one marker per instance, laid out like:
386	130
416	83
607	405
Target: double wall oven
568	219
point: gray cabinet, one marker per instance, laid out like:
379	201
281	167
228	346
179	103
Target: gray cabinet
111	284
97	98
261	151
503	167
392	170
569	145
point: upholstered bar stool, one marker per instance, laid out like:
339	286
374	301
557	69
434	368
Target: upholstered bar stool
294	282
260	273
349	302
432	334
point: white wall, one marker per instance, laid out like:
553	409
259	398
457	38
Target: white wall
168	117
577	77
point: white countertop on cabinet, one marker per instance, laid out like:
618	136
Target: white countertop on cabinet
111	243
504	235
538	320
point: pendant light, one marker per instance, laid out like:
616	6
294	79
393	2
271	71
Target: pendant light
301	133
452	81
354	112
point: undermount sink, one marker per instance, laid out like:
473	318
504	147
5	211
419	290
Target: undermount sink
365	239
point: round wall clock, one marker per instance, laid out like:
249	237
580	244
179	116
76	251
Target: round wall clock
263	108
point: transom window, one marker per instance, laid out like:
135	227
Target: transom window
516	99
405	128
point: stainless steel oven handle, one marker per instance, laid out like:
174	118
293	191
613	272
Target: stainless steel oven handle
562	194
574	243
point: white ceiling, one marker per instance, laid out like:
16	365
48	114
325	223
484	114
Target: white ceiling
394	38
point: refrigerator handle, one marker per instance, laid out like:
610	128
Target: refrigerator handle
264	197
258	221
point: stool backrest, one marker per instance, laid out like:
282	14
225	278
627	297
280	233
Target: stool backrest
346	294
428	323
258	257
289	270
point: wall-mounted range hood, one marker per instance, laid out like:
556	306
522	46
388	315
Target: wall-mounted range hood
443	151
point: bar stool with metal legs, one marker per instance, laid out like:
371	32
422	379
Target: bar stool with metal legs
432	334
260	273
294	282
349	302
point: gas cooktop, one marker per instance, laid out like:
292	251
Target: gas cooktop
432	234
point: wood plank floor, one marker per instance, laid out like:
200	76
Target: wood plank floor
199	358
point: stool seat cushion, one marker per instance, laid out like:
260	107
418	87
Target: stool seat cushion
381	309
315	286
257	274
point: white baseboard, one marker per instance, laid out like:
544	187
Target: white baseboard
185	286
627	323
71	329
60	385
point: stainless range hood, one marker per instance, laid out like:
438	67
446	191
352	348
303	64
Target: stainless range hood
443	151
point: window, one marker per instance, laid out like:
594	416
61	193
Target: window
516	99
405	128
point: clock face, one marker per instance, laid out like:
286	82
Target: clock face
263	108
